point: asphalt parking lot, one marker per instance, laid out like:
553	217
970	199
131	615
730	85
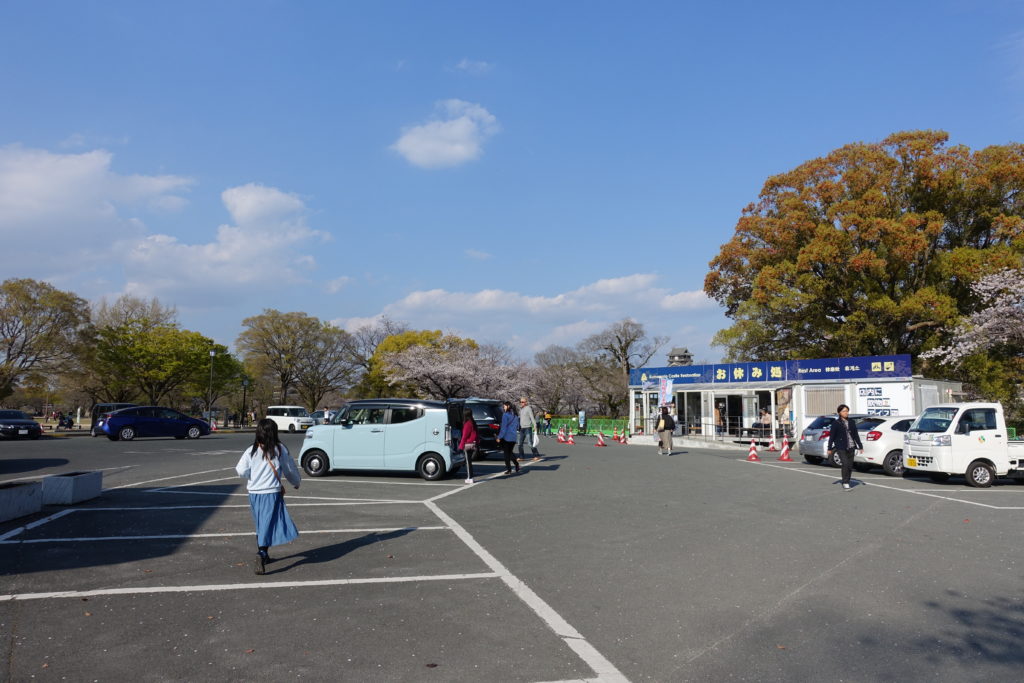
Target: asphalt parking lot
592	564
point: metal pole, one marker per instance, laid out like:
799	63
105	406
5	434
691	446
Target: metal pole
209	393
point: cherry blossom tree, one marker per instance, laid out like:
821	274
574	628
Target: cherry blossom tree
453	367
997	322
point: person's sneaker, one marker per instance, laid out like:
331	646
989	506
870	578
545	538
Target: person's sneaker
469	481
846	487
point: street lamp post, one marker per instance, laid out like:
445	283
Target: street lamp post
209	392
245	415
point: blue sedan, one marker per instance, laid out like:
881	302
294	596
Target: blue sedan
128	423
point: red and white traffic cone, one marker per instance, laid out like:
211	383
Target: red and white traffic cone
600	440
785	450
570	440
615	434
213	425
561	435
752	456
771	446
622	439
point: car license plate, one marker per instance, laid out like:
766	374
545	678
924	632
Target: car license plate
808	437
22	431
911	462
304	426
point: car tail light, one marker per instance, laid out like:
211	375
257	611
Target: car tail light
824	435
495	427
874	435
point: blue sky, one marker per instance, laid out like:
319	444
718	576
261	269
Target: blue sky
523	173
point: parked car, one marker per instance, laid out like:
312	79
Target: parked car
129	423
290	418
100	409
883	444
486	415
814	439
383	434
15	424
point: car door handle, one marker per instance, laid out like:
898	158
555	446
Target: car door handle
376	430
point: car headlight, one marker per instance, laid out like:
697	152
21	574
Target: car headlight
942	440
309	433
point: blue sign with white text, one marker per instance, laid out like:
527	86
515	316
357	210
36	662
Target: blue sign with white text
860	367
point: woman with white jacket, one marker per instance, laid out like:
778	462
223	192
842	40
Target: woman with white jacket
263	465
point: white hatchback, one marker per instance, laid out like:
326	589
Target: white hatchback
883	444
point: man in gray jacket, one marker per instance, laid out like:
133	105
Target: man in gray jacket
527	425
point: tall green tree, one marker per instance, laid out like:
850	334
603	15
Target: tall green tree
276	343
375	382
868	250
325	365
40	329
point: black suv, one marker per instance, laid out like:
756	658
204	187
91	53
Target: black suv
486	415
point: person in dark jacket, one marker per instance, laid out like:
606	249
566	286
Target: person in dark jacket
664	425
507	435
844	440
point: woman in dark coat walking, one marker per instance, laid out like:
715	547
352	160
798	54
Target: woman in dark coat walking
507	435
844	439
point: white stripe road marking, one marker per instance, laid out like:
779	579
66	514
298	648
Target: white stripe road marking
605	670
177	476
291	496
220	535
33	525
240	586
388	483
44	476
891	488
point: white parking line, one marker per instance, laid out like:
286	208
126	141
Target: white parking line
241	586
219	535
886	486
605	670
177	476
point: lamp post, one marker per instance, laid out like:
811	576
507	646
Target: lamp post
245	415
209	392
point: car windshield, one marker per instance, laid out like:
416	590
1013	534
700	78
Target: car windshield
340	416
13	415
934	420
486	412
869	423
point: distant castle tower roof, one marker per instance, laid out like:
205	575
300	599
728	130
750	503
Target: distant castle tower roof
680	356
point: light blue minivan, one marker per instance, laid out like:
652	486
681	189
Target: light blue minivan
383	434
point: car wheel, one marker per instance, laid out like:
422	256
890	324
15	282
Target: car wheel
315	463
291	428
938	477
93	432
813	459
834	460
980	474
193	432
126	434
431	467
862	466
893	463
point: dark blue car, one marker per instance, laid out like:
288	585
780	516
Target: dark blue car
128	423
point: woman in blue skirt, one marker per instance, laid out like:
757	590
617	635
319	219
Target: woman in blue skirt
263	465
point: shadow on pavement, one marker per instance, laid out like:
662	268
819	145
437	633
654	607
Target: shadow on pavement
335	551
21	465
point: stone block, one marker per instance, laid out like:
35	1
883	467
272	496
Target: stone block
71	487
20	498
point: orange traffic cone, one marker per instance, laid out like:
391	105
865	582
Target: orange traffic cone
785	450
600	439
570	440
752	456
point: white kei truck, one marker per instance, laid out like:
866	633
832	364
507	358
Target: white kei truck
968	439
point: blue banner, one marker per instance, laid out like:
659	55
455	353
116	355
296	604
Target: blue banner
860	367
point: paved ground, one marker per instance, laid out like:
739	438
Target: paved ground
593	564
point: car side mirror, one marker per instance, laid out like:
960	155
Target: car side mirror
964	428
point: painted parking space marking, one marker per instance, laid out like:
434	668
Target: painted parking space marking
605	671
79	539
243	586
916	492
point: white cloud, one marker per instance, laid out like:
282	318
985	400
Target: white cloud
455	138
478	255
63	213
474	67
337	284
261	252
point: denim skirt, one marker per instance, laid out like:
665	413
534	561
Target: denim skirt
273	525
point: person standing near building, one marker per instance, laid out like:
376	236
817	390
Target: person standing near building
527	426
844	439
664	427
263	465
468	442
507	435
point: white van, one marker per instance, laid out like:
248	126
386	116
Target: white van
290	418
